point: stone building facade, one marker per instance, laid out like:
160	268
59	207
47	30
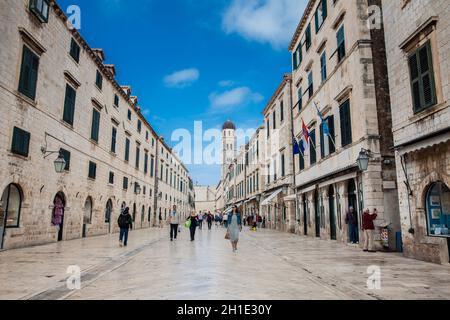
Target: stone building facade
205	199
58	95
418	55
278	203
342	98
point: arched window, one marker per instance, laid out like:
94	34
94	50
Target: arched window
438	210
87	217
143	214
149	213
10	206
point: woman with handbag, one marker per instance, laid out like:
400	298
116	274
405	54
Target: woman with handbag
191	224
234	228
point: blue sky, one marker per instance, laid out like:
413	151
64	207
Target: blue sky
195	60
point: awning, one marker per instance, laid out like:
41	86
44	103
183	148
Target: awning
267	201
251	199
227	211
425	143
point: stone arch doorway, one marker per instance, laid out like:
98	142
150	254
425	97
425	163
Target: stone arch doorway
108	214
58	211
10	207
87	215
332	212
134	212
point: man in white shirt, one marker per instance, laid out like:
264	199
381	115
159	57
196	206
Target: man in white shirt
174	221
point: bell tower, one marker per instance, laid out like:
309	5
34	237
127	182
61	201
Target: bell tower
228	145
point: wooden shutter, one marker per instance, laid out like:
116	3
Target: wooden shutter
332	134
20	142
322	142
422	78
95	125
312	150
69	105
346	126
28	73
127	149
113	139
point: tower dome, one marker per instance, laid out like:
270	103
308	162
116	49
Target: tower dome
229	126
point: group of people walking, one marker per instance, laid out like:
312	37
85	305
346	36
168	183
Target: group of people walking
233	223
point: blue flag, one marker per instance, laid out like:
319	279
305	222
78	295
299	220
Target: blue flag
296	146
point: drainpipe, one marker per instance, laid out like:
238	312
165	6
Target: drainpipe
410	192
156	191
293	155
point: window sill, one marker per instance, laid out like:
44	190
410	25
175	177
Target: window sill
18	156
67	125
93	142
77	63
27	99
419	116
91	179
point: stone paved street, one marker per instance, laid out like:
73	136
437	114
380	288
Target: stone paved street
269	265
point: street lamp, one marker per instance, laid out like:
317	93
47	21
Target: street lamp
137	188
59	163
363	160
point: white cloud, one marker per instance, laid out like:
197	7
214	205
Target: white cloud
266	21
226	101
182	78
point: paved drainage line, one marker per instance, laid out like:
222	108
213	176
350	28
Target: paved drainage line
91	275
324	279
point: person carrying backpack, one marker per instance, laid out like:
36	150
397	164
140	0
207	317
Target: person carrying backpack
125	224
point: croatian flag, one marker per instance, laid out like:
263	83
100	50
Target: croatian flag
305	136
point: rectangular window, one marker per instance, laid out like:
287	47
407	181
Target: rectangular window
127	149
312	147
125	183
308	37
111	177
139	126
20	142
99	80
310	85
69	105
268	129
297	56
274	120
321	14
146	135
29	73
95	125
116	100
113	140
301	162
282	111
92	170
152	166
323	66
129	114
40	9
283	166
422	78
146	163
66	155
346	123
300	99
138	155
341	44
74	50
327	137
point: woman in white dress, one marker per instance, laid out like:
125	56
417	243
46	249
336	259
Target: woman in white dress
234	227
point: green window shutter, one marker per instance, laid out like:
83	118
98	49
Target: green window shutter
29	73
127	149
322	142
324	9
113	140
332	134
20	142
92	170
427	76
316	19
346	125
95	125
312	150
294	60
69	105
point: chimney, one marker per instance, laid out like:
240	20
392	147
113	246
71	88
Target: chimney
127	90
100	54
111	69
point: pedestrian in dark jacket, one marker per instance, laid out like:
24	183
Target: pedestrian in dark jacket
352	222
369	228
125	223
194	223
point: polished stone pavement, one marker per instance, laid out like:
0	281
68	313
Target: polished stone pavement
269	265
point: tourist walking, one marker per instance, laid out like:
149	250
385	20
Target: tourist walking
351	221
217	220
234	228
209	219
200	221
174	221
192	222
125	223
160	220
369	229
